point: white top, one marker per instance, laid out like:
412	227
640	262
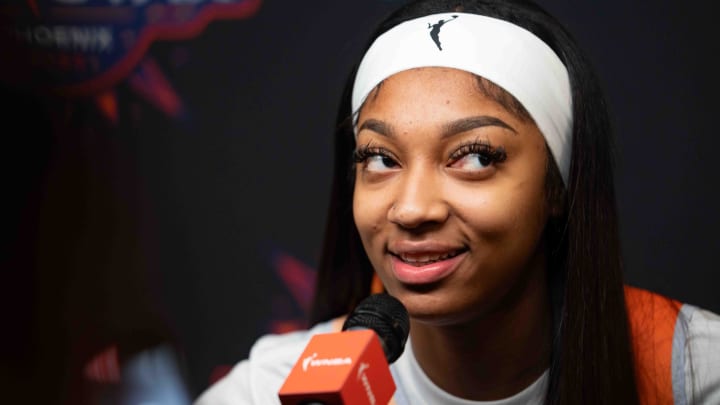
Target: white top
414	387
257	380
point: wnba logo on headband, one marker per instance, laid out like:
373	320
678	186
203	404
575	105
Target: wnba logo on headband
435	30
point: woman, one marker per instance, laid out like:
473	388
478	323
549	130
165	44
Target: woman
473	181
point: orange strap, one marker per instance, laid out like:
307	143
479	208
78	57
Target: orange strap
652	323
376	286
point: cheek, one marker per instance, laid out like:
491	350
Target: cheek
484	214
369	212
502	213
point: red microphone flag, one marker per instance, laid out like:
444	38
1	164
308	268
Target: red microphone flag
342	368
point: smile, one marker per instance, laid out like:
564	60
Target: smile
425	267
423	259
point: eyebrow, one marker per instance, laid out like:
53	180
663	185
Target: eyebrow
449	129
466	124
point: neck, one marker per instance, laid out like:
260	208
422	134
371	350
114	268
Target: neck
495	355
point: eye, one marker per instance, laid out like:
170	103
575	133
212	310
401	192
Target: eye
476	156
374	159
379	163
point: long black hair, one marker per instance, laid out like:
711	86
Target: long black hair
591	360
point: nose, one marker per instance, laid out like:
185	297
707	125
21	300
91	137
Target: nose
418	200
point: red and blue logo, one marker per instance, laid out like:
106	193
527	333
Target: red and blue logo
84	47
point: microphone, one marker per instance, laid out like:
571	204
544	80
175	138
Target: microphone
351	367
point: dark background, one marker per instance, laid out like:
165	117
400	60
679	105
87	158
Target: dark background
159	228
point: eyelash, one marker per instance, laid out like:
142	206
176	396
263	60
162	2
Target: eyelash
484	149
364	152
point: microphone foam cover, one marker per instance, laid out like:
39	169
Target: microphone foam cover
385	315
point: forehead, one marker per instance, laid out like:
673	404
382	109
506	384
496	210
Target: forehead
432	104
436	76
430	91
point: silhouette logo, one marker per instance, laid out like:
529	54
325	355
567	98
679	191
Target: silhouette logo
435	30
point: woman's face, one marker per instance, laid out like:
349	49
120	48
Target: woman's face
449	195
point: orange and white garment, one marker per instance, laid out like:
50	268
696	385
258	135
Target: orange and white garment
676	348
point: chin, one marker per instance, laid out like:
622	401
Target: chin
430	307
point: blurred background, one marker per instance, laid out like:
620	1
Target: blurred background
166	166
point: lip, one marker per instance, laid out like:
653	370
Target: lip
430	273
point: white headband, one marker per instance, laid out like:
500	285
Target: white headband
507	55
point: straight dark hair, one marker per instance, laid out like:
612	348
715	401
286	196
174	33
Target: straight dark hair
591	361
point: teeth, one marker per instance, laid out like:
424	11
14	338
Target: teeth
426	258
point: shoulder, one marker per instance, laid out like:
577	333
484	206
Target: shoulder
673	344
696	359
257	379
654	316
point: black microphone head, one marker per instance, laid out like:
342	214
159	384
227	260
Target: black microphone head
387	316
